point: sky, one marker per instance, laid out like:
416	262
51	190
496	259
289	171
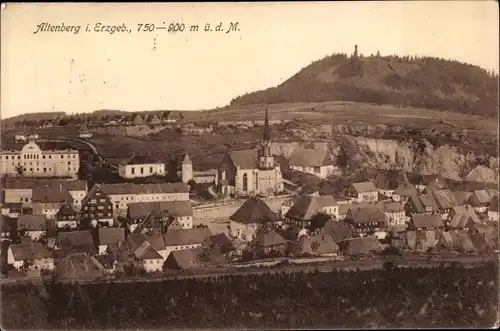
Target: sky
149	70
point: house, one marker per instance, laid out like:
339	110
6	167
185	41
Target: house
422	241
285	207
493	210
480	200
363	192
249	218
84	132
36	162
157	242
75	242
249	172
422	204
385	184
20	189
366	220
194	258
462	197
338	230
141	166
364	246
305	207
153	119
426	222
78	267
96	208
13	210
47	200
32	255
403	193
147	258
108	236
220	242
320	245
269	243
312	161
185	239
122	194
136	119
462	217
445	201
32	226
8	226
458	241
168	211
67	217
394	212
108	262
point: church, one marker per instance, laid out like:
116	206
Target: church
251	172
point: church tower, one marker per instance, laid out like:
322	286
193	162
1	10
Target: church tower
266	159
187	169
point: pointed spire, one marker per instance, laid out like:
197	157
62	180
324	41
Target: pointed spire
267	132
186	159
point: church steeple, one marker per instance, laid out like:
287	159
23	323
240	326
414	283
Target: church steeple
266	159
267	132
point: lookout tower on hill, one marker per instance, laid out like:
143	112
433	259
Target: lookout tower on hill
355	55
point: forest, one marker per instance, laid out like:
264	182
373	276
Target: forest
425	82
448	296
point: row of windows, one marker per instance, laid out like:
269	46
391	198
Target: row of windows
34	156
141	170
98	214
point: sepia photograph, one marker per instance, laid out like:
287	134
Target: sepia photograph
249	165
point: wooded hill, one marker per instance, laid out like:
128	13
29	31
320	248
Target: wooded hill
426	82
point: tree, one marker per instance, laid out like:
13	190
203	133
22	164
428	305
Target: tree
318	221
20	170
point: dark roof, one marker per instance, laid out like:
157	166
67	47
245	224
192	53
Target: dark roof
428	200
364	187
30	252
220	241
269	238
305	207
190	258
156	240
32	222
385	182
76	242
419	207
254	210
267	131
406	190
245	159
362	246
480	197
494	204
365	215
156	208
48	194
444	198
338	230
429	221
150	254
29	183
310	158
108	236
317	245
106	261
66	210
389	206
462	215
462	197
186	159
141	159
78	266
183	237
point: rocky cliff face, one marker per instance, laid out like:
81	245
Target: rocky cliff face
414	156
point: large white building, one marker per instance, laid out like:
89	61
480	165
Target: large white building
31	161
313	161
141	166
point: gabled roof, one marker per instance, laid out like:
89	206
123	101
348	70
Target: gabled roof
156	208
66	210
30	183
78	266
76	242
444	198
269	238
317	245
494	204
461	217
406	190
338	230
364	187
245	159
462	197
428	201
305	207
429	221
32	222
108	236
254	210
185	259
156	240
187	159
366	215
140	159
220	241
51	194
30	252
480	197
310	158
362	246
388	206
150	254
184	237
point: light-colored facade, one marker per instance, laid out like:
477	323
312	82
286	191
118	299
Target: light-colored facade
321	171
243	231
38	163
141	170
152	265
